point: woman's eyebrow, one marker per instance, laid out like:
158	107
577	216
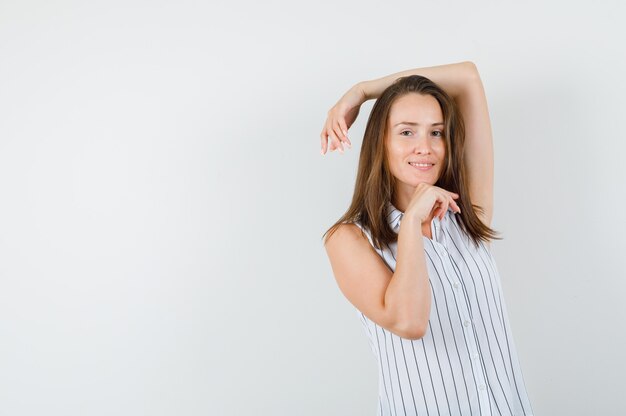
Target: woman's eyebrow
416	124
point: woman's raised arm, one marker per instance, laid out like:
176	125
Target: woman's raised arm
451	77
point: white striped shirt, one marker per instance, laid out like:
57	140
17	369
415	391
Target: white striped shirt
466	363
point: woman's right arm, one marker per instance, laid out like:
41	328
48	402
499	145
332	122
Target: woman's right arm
453	78
398	301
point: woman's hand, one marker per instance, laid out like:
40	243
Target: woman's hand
340	118
429	199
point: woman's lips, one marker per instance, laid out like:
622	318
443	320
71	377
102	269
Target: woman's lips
422	168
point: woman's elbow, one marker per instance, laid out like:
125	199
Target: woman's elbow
471	69
412	332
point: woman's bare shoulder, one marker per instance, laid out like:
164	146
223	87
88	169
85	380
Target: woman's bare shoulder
345	233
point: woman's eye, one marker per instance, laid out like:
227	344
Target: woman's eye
437	133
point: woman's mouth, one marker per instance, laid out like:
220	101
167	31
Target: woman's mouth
422	166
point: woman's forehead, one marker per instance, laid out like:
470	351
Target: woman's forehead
415	108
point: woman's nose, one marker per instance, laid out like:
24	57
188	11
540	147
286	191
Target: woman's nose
421	145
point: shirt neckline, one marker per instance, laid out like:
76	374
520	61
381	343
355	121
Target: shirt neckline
394	218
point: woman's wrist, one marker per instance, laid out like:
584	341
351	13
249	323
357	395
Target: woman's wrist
362	90
371	89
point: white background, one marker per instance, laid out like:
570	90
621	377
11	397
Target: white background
163	198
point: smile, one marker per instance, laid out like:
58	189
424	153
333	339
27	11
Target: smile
422	166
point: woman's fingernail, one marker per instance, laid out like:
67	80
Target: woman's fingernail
322	152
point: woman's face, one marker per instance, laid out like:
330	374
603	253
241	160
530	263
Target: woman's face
415	133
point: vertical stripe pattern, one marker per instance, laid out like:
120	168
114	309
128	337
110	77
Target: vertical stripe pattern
466	363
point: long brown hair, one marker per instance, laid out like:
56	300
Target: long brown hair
375	185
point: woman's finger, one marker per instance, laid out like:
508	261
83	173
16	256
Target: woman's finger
458	208
455	206
441	211
332	143
328	140
337	135
339	145
442	202
333	140
444	209
324	140
344	130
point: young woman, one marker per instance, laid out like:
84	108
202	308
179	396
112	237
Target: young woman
412	253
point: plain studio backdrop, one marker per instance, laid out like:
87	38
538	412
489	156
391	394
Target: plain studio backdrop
163	198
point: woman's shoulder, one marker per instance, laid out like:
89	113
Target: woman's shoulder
348	230
347	235
351	247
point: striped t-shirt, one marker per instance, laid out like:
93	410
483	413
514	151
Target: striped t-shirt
466	363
